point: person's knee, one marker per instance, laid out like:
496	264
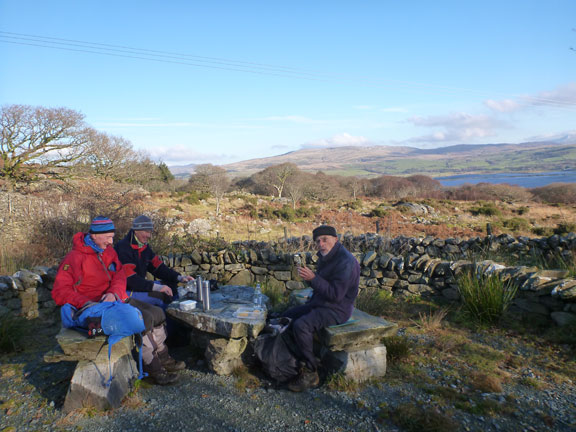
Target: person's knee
302	326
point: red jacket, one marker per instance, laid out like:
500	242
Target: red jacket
85	275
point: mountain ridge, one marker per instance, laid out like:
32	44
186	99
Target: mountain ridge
370	161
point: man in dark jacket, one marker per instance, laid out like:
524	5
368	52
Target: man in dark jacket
335	287
138	258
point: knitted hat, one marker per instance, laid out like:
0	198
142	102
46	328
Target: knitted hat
101	225
142	223
324	230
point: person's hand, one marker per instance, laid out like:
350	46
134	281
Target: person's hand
184	278
109	297
305	273
166	290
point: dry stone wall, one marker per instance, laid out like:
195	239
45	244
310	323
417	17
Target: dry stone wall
402	266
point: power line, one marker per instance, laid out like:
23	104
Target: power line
230	65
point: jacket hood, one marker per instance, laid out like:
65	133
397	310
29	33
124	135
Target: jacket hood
79	245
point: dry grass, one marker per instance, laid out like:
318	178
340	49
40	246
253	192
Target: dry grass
433	320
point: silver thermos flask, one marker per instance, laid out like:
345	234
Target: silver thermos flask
206	295
199	289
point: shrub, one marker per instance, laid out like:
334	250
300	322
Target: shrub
486	209
543	231
516	224
354	205
564	193
565	228
374	301
485	297
379	212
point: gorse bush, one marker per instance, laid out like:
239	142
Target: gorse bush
516	224
485	297
486	209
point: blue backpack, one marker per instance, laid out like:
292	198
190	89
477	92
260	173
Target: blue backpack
118	320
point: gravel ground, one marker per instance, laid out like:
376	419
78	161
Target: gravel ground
32	392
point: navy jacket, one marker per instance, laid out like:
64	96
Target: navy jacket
336	282
137	261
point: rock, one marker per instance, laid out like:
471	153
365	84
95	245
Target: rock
369	257
566	290
88	385
283	275
243	277
451	294
295	285
358	366
367	331
29	279
532	307
563	318
259	270
224	355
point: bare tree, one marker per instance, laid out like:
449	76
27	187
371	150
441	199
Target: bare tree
212	179
297	187
275	177
109	156
38	140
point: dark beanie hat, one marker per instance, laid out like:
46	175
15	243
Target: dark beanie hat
101	225
324	230
142	223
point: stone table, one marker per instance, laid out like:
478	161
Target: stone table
225	330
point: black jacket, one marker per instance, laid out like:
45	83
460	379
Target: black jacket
336	282
137	261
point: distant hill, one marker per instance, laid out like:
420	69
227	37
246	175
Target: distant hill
396	160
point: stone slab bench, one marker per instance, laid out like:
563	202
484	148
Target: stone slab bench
88	385
355	349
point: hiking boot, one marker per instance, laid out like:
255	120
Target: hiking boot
169	363
305	380
158	374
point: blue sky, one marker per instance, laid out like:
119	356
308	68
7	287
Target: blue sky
223	81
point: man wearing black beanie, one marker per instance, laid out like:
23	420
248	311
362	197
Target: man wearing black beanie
335	287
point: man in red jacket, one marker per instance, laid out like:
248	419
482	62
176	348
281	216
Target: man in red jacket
92	273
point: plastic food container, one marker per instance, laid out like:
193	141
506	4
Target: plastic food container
249	313
187	305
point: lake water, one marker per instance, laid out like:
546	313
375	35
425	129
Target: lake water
520	179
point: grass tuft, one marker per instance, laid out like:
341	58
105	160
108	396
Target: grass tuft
374	301
338	382
398	348
485	298
414	418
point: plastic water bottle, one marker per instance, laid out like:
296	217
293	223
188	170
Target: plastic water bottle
257	296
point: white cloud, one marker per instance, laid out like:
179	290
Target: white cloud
341	140
456	127
563	97
182	155
506	105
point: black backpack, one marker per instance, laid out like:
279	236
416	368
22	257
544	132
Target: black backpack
278	354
